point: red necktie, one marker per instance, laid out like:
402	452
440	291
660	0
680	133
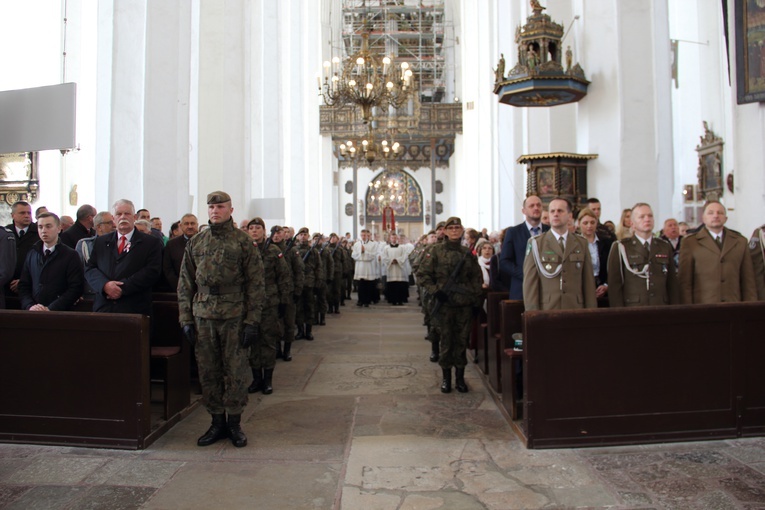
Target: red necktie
121	247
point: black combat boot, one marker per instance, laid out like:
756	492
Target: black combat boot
308	335
300	332
286	354
434	352
238	438
216	431
268	375
279	351
446	384
459	380
257	380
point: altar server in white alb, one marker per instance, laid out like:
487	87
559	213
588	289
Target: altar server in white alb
395	261
365	255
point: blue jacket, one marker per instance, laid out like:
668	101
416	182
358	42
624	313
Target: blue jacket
512	256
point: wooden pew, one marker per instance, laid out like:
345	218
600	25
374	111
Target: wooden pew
511	313
494	349
169	355
644	375
74	378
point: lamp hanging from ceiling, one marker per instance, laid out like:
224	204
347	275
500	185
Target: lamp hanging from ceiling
366	80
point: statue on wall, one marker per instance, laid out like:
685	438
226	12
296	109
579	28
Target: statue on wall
537	7
499	73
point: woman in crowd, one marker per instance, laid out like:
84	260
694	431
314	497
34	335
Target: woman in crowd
624	229
599	250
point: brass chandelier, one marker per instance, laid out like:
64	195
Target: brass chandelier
369	149
366	80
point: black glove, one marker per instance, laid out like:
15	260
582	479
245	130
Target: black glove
249	335
441	296
282	310
190	334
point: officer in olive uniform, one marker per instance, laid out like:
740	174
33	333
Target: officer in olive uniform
757	251
220	295
449	273
327	273
295	264
643	266
311	266
425	298
278	293
557	272
335	280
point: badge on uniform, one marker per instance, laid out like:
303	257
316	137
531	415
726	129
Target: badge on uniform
753	244
548	267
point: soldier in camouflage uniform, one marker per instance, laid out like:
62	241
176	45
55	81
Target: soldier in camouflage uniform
426	299
295	264
348	267
278	293
457	296
327	273
311	266
335	280
220	295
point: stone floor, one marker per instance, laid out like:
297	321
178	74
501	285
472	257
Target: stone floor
356	421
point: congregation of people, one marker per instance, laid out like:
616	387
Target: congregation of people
247	291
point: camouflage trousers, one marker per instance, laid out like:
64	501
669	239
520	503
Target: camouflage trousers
223	366
305	307
452	326
288	322
334	289
321	299
263	352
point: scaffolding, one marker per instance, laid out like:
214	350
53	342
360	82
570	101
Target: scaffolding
409	31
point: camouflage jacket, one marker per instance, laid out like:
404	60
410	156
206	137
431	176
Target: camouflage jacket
217	261
277	275
338	257
348	264
296	266
311	265
327	261
437	265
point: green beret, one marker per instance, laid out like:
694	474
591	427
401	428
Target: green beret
218	197
303	230
453	221
441	224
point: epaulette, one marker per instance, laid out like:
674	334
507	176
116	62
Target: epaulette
736	232
660	240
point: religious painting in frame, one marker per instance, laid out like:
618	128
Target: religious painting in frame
710	170
750	51
18	177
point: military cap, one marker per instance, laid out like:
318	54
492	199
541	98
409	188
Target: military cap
275	228
431	232
333	235
303	230
453	221
317	234
257	221
441	224
218	197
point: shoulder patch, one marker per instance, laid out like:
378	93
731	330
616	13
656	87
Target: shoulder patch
753	244
280	255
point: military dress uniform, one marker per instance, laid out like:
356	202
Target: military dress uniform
306	306
454	316
278	282
757	252
347	273
221	291
642	277
296	267
554	279
713	274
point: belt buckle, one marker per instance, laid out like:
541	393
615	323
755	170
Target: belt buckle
215	290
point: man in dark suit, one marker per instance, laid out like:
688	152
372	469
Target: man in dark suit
82	228
26	236
52	278
513	251
671	234
173	256
7	260
124	265
593	204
